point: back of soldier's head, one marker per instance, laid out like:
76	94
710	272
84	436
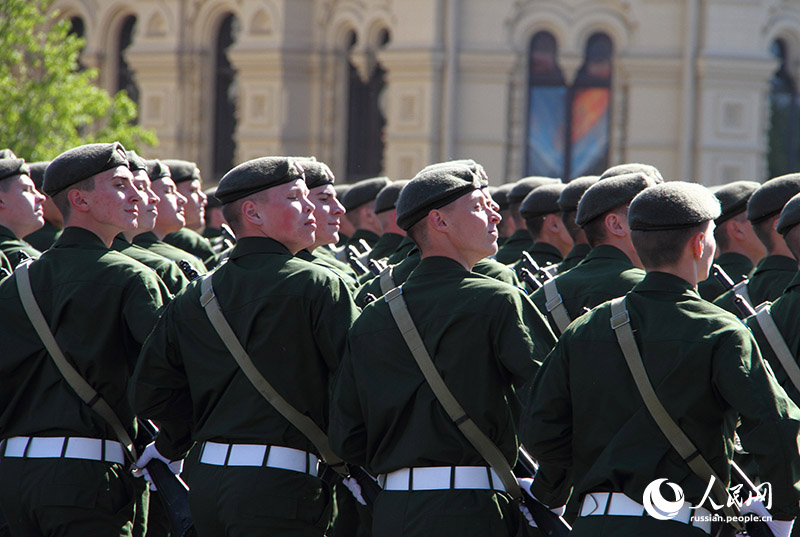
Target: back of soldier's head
788	226
766	203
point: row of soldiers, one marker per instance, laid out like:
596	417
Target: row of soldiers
283	354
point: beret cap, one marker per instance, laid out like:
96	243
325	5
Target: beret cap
633	167
316	173
733	198
541	201
82	162
473	166
771	196
523	187
673	205
571	195
136	162
37	172
363	192
157	170
341	189
790	215
500	195
433	190
608	194
9	167
182	170
212	198
387	197
257	175
7	153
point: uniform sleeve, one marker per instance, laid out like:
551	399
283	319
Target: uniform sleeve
347	431
333	318
145	297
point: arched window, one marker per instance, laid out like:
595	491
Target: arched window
78	29
568	126
125	75
225	98
784	138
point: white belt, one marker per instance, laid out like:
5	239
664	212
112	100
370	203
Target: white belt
59	447
618	504
442	478
280	457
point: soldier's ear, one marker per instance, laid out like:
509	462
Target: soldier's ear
78	201
251	213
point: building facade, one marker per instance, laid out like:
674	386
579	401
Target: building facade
703	89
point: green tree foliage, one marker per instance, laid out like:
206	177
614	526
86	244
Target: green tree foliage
47	103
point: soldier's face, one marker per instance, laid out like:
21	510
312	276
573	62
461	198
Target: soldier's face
21	205
194	211
328	214
170	205
148	206
287	215
474	224
113	202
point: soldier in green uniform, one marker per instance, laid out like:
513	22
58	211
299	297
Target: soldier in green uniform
612	267
521	239
254	473
189	182
62	470
384	415
706	371
346	230
738	248
359	204
500	197
391	234
170	218
568	203
21	210
44	237
774	272
542	216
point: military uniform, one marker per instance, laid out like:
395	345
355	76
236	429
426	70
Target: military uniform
149	241
543	254
369	237
386	245
43	238
100	306
767	282
14	248
512	249
323	261
191	241
735	265
166	269
401	252
574	256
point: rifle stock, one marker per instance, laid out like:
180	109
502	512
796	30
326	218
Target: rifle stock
548	522
369	486
744	307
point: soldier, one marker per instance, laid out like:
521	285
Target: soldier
568	203
542	216
774	272
706	371
170	218
359	204
44	237
346	230
506	228
612	267
391	234
21	210
255	473
62	468
521	239
383	414
214	218
188	181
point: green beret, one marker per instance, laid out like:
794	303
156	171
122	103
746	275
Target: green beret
770	197
500	195
673	205
79	163
9	167
363	192
317	173
257	175
7	153
212	198
182	170
733	198
433	190
541	201
387	197
135	161
157	170
523	187
790	215
571	195
633	167
473	166
608	194
37	172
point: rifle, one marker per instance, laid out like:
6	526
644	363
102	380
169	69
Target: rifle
172	490
530	279
548	522
188	270
354	258
744	307
376	267
541	274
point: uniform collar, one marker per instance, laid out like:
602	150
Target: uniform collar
438	265
607	251
258	245
78	236
578	251
305	255
7	234
544	248
662	282
776	262
520	235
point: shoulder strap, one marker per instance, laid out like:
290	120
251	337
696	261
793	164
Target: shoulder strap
387	279
305	424
87	394
621	323
555	305
778	344
487	449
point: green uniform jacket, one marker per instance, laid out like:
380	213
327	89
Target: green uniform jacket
574	256
512	249
100	306
544	254
292	318
784	312
737	266
45	237
486	339
368	236
11	246
403	249
166	269
191	241
586	423
324	261
386	245
604	274
330	258
767	282
150	242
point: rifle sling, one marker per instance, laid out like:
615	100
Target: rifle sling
778	344
621	323
302	422
555	305
484	446
82	388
